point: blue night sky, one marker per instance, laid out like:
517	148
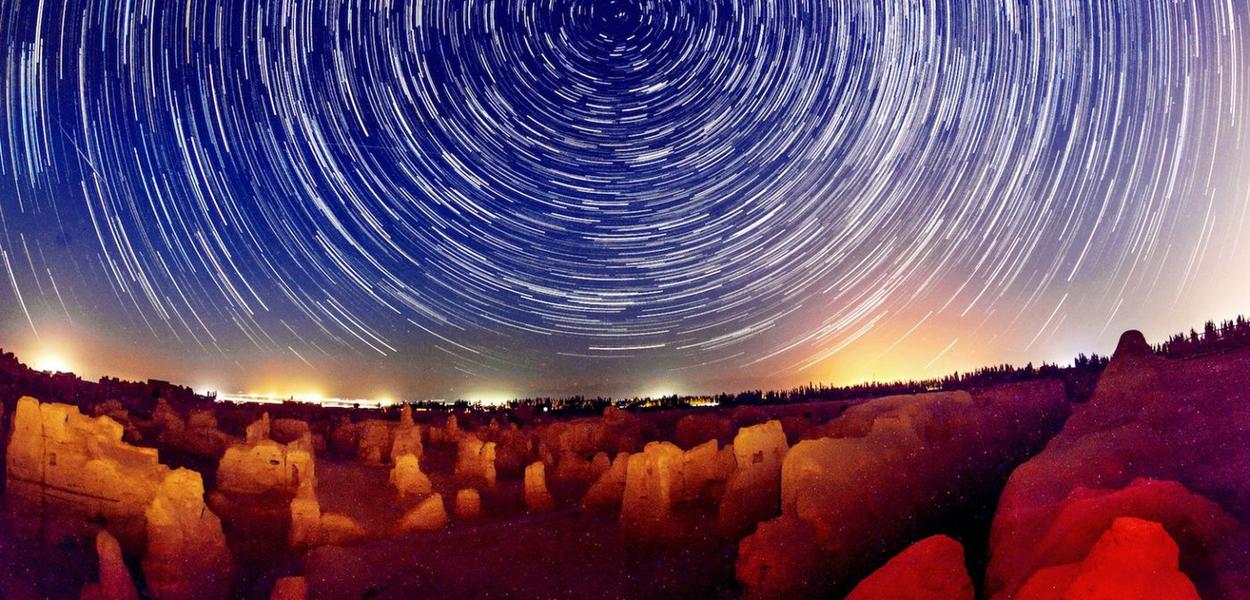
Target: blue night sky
483	199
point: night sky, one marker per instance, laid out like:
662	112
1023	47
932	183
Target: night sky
482	199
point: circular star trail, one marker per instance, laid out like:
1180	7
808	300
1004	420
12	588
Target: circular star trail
570	188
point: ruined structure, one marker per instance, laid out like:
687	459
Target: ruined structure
62	465
261	465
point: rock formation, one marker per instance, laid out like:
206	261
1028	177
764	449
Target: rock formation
653	480
753	492
705	471
913	458
430	515
262	465
537	498
931	569
115	581
374	443
572	466
305	518
186	554
337	529
344	437
475	463
197	436
1133	559
290	588
607	491
616	431
783	558
311	527
1167	441
407	478
407	437
513	450
285	431
64	466
468	504
449	434
693	430
1201	525
257	430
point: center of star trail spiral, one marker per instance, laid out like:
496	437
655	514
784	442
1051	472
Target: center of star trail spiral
525	185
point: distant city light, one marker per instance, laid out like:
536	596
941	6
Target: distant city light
490	398
52	362
273	398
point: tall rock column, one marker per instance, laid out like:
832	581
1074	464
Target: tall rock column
187	558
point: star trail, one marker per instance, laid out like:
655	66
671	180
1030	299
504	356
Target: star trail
608	196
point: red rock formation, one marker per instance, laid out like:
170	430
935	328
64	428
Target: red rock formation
783	558
931	569
895	468
696	429
1184	422
1134	559
290	588
705	470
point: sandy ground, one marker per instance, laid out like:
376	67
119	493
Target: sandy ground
508	553
555	555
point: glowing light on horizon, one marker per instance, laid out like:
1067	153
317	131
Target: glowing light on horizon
490	398
52	362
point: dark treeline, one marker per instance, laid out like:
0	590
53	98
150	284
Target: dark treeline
1079	378
1214	338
